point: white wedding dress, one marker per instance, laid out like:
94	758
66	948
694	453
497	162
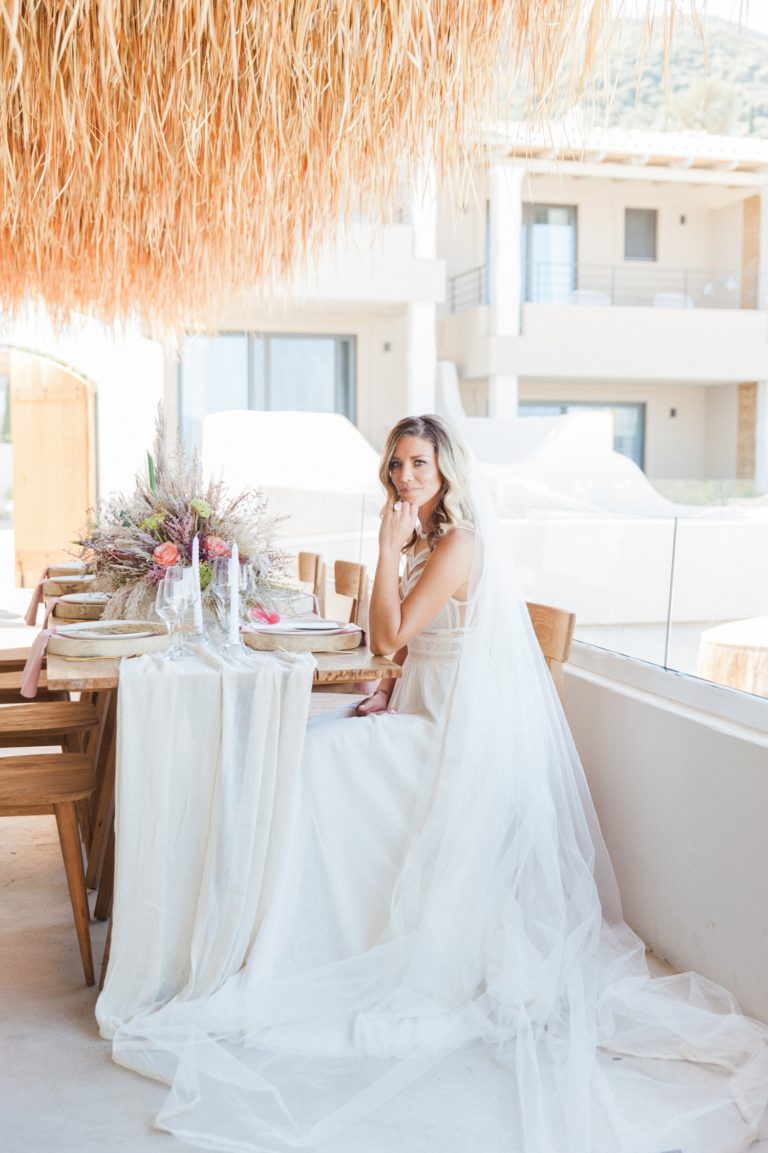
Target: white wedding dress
446	967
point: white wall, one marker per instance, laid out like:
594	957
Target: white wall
128	371
461	227
365	262
677	771
707	345
721	444
710	238
676	447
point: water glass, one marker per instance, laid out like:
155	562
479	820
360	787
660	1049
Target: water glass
171	602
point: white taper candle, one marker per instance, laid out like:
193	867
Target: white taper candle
198	601
234	597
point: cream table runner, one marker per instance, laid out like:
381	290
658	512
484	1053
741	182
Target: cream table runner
207	791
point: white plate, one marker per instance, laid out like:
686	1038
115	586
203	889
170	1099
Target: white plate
86	598
298	625
109	630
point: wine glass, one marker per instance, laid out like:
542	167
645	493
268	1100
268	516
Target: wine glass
246	587
171	601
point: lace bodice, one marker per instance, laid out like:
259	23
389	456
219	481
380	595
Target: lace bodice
444	634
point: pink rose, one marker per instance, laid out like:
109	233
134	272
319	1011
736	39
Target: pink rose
167	554
214	546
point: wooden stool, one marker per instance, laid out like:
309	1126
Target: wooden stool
55	783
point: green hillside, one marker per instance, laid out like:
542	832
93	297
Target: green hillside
720	86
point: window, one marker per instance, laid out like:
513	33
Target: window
309	373
548	252
628	422
640	233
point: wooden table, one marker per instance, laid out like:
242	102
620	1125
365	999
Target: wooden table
101	678
332	669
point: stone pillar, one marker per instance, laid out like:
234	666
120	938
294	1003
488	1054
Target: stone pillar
761	402
761	436
421	316
420	357
762	262
504	276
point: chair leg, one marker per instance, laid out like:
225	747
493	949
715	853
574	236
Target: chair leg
103	906
105	958
103	804
66	820
85	822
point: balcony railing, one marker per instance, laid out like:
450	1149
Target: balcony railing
468	289
627	285
639	285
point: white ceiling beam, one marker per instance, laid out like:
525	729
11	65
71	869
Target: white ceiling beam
652	172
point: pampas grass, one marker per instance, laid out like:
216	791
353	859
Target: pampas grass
170	505
157	154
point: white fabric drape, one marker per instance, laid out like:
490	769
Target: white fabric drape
207	791
434	957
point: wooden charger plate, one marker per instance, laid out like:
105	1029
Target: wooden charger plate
109	639
67	584
80	606
303	642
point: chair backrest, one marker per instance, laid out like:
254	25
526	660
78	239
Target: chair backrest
351	580
554	632
312	572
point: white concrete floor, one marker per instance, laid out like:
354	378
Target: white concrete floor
61	1092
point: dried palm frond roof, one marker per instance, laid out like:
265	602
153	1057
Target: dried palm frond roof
154	154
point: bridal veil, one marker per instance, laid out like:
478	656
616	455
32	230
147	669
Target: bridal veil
499	1003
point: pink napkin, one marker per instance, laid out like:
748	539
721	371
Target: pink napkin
37	596
49	609
31	672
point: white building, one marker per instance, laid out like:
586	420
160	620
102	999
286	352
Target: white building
620	270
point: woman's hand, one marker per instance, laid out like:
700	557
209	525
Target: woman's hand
377	702
398	524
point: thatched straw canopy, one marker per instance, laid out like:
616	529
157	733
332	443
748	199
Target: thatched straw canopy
155	153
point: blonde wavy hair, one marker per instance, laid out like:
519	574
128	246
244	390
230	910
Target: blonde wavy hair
454	506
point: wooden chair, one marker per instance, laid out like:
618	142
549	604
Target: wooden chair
312	573
68	725
61	723
55	783
351	580
554	632
10	688
13	660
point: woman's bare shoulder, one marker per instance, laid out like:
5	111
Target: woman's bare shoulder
457	536
455	546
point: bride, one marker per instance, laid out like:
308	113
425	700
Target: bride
447	967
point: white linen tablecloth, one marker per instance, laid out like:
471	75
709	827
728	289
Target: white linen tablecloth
208	775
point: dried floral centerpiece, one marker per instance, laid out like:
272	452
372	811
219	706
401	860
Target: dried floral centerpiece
135	539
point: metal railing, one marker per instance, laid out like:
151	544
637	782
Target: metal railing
639	285
468	289
627	285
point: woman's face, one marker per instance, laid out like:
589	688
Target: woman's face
413	471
